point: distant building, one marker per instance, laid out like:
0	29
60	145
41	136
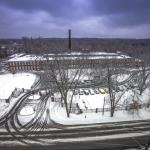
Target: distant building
22	62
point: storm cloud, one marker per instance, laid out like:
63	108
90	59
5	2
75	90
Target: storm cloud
87	18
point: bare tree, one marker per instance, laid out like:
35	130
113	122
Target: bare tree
115	90
65	78
140	80
143	77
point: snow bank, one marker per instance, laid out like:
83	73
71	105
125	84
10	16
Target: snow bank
9	82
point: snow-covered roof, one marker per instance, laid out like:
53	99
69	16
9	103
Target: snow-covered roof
21	57
73	55
17	55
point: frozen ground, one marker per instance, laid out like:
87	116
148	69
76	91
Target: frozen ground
58	114
8	82
27	110
86	99
96	100
34	97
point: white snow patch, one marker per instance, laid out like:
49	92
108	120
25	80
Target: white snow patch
27	110
58	114
122	77
34	97
90	101
11	81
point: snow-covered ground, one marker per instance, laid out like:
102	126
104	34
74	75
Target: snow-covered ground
91	101
86	99
26	111
8	82
58	114
5	107
34	97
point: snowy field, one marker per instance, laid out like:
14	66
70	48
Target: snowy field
94	100
8	82
90	102
58	114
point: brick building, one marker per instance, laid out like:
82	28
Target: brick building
22	62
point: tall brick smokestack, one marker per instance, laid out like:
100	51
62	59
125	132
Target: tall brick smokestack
69	39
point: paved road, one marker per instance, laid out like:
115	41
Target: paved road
98	136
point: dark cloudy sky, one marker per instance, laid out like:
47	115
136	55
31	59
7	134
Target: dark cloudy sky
86	18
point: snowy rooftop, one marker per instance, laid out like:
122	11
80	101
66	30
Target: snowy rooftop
23	57
73	55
